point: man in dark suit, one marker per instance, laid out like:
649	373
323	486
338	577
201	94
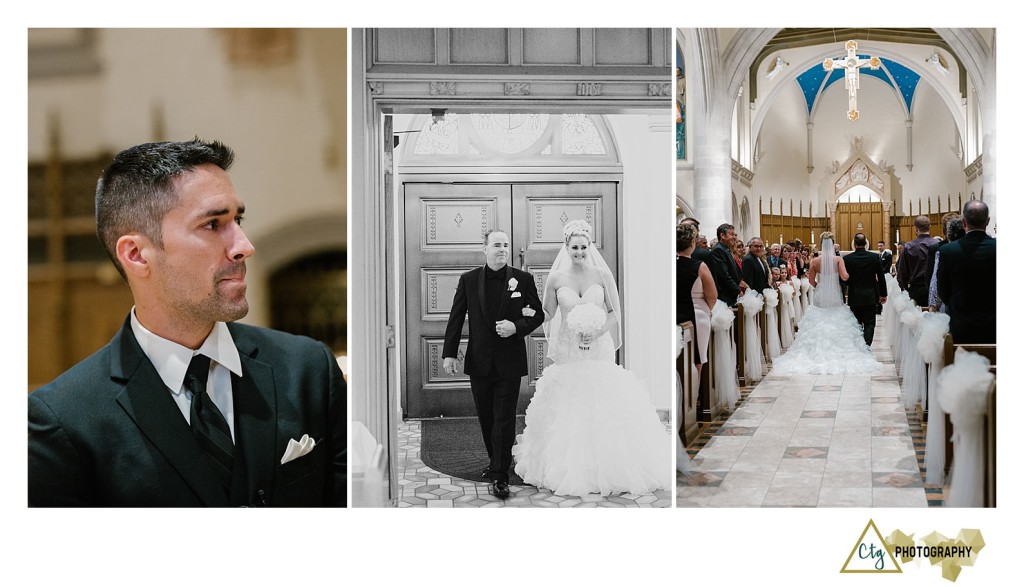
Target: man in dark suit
967	279
755	270
885	255
865	286
494	295
912	269
728	278
775	259
184	407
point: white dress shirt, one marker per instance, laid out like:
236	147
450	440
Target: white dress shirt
171	361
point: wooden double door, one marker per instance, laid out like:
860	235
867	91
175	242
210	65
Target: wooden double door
443	228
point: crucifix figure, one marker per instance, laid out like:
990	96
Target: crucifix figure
852	64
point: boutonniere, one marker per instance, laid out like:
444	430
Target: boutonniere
512	283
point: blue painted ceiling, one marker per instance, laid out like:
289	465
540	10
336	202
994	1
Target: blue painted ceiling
901	78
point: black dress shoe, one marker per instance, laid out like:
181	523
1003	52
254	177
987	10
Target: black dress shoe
500	489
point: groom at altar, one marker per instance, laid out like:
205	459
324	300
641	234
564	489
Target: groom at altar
494	295
866	285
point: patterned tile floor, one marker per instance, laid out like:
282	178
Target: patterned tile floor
814	441
421	486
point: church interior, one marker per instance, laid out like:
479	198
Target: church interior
272	95
789	133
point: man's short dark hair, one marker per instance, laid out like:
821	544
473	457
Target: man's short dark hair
859	240
137	190
488	234
692	221
975	214
722	229
922	223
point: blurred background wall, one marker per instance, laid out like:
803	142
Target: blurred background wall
276	96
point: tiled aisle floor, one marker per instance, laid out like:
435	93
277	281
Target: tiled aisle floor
422	486
812	441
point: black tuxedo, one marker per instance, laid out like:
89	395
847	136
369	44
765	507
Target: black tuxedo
755	273
864	288
967	285
108	433
727	274
886	257
495	365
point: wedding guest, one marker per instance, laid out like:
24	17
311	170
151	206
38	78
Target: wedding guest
738	251
954	231
728	278
776	277
755	271
886	256
897	259
695	291
702	242
912	272
967	279
933	248
775	259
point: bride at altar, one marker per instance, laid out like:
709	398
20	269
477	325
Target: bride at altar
591	426
829	340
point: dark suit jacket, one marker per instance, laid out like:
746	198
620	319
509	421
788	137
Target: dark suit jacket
755	273
867	279
886	257
727	274
967	284
484	343
108	433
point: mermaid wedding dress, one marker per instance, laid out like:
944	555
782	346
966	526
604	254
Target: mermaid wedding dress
591	426
830	341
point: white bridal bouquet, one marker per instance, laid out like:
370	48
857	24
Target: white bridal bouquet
586	319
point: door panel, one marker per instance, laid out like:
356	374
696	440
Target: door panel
444	224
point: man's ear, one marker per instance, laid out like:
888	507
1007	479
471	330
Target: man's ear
134	252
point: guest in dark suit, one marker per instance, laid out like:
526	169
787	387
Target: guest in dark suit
494	295
912	270
885	255
184	407
865	286
728	279
775	258
755	270
967	279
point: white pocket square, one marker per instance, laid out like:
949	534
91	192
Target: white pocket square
295	449
517	294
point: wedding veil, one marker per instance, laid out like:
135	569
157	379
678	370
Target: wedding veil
827	293
563	263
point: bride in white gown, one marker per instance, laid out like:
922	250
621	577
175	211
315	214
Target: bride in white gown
830	341
590	427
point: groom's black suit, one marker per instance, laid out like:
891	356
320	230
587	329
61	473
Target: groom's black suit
495	365
864	288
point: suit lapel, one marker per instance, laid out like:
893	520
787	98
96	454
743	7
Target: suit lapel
148	403
256	424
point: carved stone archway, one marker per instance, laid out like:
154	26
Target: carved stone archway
858	170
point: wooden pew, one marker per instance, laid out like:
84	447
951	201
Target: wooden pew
988	351
707	393
687	371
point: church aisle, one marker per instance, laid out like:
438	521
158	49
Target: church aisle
421	486
812	441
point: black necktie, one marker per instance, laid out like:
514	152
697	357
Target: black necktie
208	424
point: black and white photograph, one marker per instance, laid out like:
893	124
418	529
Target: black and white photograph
511	198
836	267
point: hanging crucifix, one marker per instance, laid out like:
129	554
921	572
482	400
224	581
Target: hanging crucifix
852	64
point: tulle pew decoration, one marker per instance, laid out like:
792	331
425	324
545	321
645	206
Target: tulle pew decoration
752	304
964	389
912	365
931	336
683	464
726	380
786	326
887	308
899	301
794	298
805	289
771	300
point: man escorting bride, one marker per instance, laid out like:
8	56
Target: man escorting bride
830	339
591	426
